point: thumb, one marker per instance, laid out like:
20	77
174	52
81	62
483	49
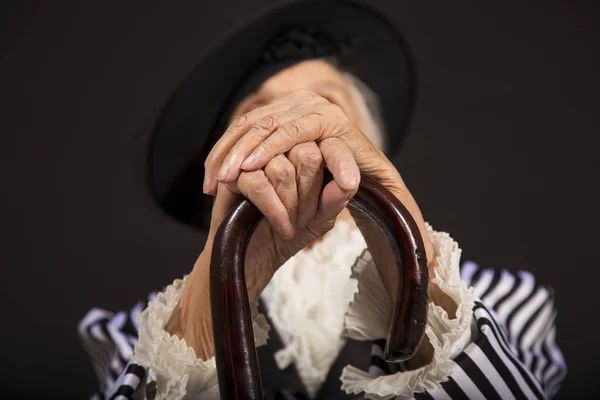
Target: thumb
332	202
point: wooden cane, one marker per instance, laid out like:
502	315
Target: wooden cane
235	352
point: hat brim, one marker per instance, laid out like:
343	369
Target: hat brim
188	125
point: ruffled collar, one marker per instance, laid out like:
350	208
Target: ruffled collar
308	298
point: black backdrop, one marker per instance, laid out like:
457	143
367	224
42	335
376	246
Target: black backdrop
502	153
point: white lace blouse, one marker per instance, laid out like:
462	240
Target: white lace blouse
320	297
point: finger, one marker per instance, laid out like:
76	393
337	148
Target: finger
341	163
257	188
308	163
244	123
332	202
259	132
282	175
299	130
236	130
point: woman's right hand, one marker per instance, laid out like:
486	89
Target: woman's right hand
289	192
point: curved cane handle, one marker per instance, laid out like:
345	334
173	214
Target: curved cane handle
235	352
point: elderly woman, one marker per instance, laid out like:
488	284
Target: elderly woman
320	278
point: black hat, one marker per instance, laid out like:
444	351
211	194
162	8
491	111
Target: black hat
361	40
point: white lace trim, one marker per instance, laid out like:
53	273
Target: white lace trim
307	300
178	371
368	318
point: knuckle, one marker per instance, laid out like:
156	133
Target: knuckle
266	123
280	170
287	173
266	147
257	182
292	129
284	178
239	121
311	158
314	157
309	172
328	145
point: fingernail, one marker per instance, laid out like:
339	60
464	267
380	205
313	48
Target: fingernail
350	180
288	230
223	171
251	160
206	185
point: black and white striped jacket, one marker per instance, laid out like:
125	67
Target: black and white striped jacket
513	354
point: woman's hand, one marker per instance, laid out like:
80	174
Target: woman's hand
302	116
253	159
289	192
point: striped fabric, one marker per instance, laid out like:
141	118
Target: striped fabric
513	353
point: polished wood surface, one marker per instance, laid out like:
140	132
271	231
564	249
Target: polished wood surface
237	364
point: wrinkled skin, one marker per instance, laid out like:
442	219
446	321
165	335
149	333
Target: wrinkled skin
274	153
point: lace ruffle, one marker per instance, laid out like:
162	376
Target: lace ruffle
178	372
368	318
307	300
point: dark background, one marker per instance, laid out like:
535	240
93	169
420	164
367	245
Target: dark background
502	153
